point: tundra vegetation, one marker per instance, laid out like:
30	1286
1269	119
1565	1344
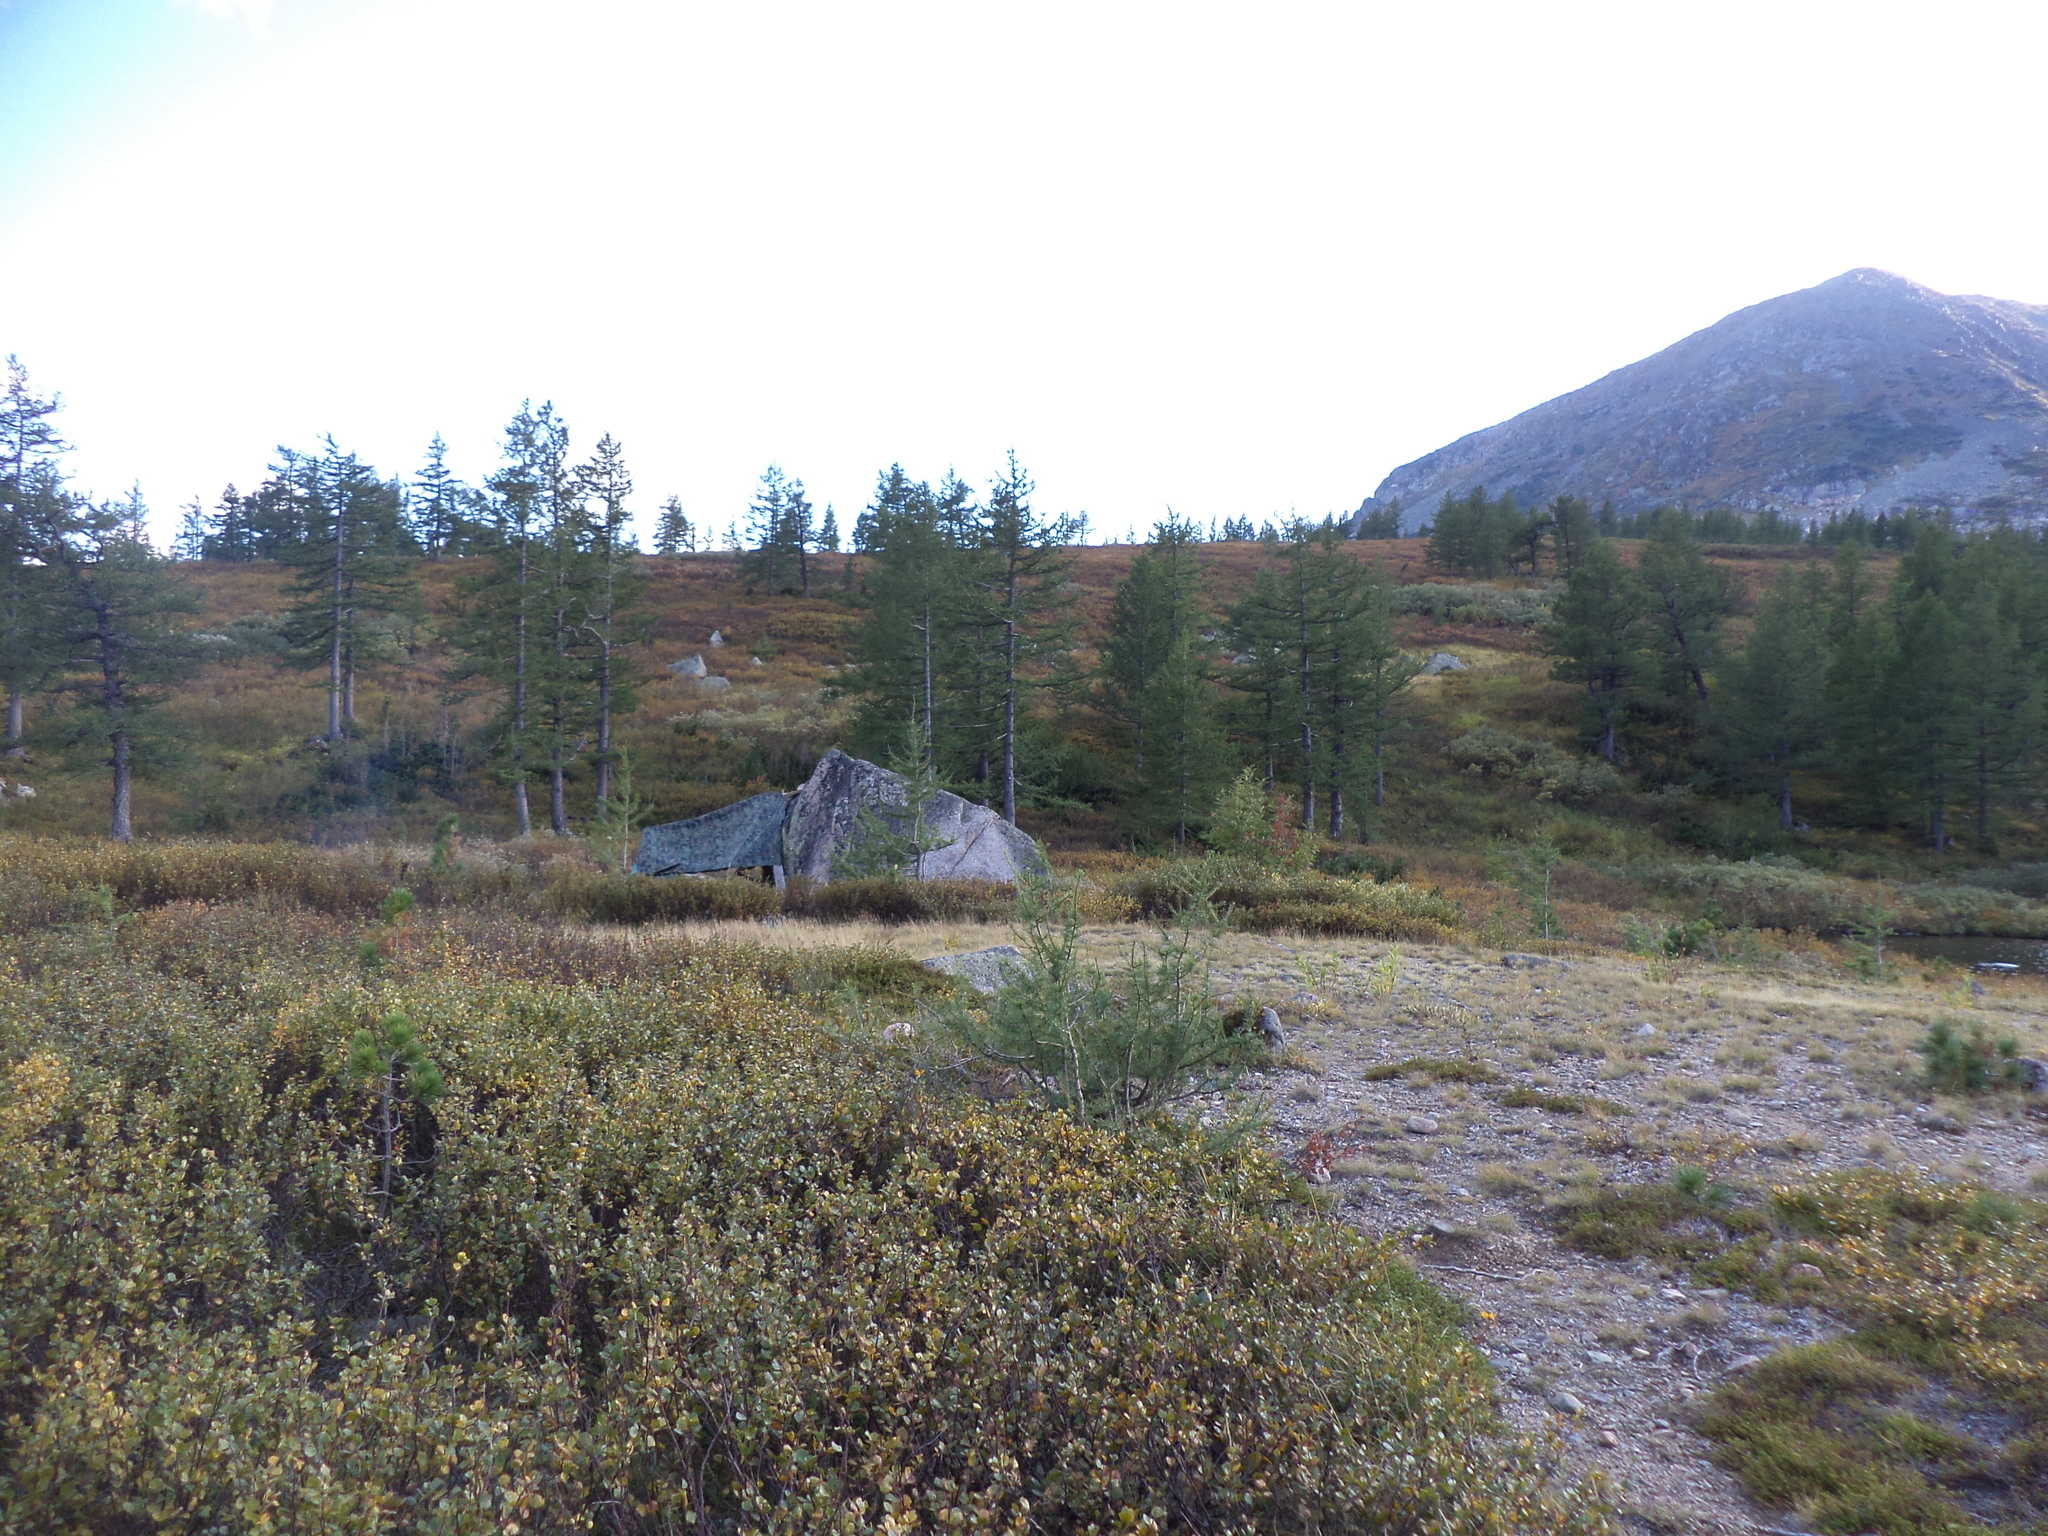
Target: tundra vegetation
382	1155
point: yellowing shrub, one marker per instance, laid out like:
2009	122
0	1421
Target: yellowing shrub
670	1253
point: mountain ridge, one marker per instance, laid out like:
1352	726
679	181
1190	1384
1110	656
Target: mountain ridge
1866	392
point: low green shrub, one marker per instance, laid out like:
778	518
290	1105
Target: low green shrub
1552	772
1114	1046
1966	1059
1259	902
1559	1103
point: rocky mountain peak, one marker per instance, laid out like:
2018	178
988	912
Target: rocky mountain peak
1868	391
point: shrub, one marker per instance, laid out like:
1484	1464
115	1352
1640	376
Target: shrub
1540	765
1969	1061
890	900
665	1252
1116	1047
648	899
1259	902
1436	1068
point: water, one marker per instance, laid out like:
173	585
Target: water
2030	955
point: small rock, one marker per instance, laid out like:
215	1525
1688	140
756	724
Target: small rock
1640	1353
714	684
689	666
1600	1357
755	661
1671	1293
1608	1437
717	639
1743	1362
1420	1125
1714	1293
1805	1272
2033	1074
1647	1029
1947	1125
1270	1030
1564	1402
1442	661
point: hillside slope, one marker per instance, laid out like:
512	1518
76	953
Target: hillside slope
1868	391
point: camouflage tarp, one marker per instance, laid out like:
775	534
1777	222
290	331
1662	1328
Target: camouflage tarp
744	835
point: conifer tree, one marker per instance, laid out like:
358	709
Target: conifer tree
1261	674
1017	587
502	603
1686	600
612	613
1157	680
1597	635
30	496
913	599
348	572
1380	675
437	505
674	534
117	608
781	535
562	552
1774	724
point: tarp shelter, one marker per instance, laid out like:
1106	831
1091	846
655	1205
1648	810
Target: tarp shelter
744	835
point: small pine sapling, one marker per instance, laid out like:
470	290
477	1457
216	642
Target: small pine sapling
394	926
391	1057
620	816
447	843
1965	1063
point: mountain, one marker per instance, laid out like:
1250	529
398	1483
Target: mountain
1867	392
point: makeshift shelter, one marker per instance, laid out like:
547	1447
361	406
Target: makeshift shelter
744	835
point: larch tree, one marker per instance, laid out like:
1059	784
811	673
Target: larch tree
1018	583
1774	725
30	494
613	615
1157	679
118	608
350	573
1596	632
674	533
502	603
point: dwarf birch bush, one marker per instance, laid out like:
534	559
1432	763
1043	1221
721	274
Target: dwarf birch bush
670	1250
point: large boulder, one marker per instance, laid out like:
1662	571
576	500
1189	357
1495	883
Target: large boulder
977	844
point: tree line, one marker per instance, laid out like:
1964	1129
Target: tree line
969	645
1490	536
551	603
1922	706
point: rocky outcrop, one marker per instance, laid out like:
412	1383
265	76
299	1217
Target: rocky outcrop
975	843
1866	393
985	970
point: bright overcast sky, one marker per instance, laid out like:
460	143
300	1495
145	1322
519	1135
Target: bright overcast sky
1237	259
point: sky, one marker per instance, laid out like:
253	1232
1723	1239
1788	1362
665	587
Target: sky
1232	260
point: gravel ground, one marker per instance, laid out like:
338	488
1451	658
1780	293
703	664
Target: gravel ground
1755	1075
